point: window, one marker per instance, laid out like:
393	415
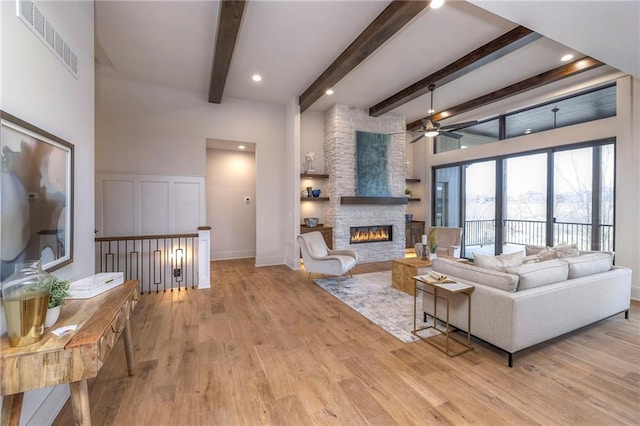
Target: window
560	195
593	104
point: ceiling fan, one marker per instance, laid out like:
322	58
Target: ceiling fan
429	128
432	129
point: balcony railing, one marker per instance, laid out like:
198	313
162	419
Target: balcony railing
479	232
159	262
521	232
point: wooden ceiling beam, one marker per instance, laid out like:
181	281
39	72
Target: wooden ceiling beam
556	74
229	20
495	49
395	16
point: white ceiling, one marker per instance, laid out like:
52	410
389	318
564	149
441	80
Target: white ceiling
290	43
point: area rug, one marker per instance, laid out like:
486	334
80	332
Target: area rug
372	296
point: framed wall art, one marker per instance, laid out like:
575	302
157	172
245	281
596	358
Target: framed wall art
37	196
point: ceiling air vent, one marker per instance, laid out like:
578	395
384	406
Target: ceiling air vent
35	20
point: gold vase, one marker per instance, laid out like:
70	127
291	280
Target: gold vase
25	295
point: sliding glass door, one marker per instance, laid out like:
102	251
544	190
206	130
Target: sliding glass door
447	192
525	201
480	208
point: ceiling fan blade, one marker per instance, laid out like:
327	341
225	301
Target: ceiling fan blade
460	125
418	138
450	134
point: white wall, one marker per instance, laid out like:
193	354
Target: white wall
231	176
292	152
37	88
150	129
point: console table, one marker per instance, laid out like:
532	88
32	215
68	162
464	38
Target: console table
72	358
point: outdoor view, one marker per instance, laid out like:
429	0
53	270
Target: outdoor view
582	182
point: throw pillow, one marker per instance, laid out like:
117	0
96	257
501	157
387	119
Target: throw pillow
567	250
558	252
500	262
534	258
530	250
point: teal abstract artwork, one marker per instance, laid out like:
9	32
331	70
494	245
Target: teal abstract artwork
371	163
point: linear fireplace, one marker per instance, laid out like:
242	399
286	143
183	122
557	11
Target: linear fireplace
371	234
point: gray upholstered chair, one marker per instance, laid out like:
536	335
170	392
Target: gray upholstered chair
319	259
448	240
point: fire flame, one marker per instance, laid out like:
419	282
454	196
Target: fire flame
379	234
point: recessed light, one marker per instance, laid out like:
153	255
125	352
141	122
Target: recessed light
329	92
242	147
436	4
567	57
256	77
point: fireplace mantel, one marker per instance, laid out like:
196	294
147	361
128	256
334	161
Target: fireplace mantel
374	200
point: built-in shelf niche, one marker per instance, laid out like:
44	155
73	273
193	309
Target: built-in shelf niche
413	180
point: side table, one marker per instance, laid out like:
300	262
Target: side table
443	291
403	271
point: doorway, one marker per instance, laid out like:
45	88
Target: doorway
231	198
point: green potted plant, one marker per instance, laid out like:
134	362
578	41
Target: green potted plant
59	292
432	242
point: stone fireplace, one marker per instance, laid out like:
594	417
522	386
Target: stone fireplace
345	210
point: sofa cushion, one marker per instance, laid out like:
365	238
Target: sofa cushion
500	262
474	274
538	274
589	264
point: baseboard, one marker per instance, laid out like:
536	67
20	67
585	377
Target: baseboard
269	261
48	410
229	255
635	293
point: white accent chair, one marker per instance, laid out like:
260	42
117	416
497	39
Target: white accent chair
319	259
448	240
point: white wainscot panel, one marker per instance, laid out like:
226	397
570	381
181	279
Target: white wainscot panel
187	205
154	206
118	207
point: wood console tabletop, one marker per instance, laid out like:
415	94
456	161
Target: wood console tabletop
72	358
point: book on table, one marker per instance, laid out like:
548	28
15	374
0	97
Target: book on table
434	278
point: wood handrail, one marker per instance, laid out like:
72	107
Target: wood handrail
145	237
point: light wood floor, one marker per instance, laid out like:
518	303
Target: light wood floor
263	346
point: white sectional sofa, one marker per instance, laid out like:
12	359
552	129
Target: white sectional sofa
530	303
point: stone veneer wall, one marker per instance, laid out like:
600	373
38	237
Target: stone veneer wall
341	123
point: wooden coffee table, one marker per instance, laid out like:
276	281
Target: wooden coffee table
403	271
